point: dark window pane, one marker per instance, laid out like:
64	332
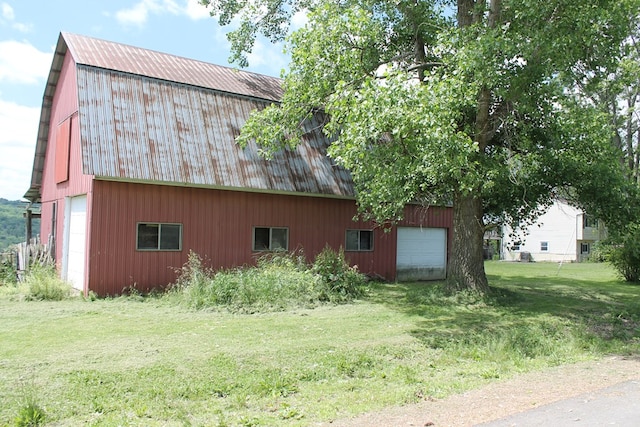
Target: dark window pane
170	236
260	239
147	236
279	238
352	240
366	240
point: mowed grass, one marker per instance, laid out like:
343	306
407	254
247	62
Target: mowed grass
148	362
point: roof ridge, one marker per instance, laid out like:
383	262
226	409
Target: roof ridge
67	35
109	55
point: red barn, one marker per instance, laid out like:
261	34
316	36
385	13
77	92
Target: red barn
136	165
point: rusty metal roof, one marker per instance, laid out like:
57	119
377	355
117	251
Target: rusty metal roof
134	60
150	117
136	128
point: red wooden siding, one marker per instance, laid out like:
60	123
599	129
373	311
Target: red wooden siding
64	110
217	224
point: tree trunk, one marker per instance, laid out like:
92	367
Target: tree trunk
466	265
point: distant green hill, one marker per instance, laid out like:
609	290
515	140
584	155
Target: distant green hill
12	223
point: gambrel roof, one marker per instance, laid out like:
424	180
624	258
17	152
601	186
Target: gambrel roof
151	117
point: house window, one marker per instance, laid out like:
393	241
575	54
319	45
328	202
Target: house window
544	246
359	240
589	222
584	248
270	239
159	237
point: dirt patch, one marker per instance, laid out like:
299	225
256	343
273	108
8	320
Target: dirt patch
503	398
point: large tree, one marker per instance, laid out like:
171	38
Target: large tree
473	102
618	96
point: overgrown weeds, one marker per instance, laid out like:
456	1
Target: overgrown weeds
43	283
279	281
40	282
339	281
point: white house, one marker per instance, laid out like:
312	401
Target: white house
563	233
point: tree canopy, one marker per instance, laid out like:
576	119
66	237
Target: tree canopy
475	102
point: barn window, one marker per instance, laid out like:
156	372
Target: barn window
359	240
159	237
270	239
544	246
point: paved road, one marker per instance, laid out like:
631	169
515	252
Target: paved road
618	405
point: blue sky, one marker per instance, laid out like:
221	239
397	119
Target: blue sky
28	34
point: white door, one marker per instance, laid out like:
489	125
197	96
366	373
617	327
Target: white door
422	253
76	235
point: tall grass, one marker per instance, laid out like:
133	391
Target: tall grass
43	283
39	283
278	281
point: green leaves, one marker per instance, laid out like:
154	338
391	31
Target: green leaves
423	104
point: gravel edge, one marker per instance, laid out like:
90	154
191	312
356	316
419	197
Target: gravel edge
504	397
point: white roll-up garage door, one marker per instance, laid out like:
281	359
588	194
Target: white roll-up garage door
422	254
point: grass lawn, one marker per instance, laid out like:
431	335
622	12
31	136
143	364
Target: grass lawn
148	362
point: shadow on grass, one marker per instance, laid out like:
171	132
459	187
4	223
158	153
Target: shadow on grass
533	315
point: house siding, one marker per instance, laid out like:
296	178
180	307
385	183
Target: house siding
217	225
560	228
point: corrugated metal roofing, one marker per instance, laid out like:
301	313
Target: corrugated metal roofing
143	62
142	129
146	116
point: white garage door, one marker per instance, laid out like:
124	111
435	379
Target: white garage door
422	253
76	223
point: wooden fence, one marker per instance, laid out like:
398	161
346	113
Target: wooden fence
23	255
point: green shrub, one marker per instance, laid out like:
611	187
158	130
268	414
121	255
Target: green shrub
598	252
624	253
340	281
8	273
43	283
30	415
30	412
280	280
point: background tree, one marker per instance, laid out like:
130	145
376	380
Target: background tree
617	96
432	101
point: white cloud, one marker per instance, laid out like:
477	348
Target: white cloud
267	57
196	11
299	19
7	12
9	16
19	126
139	13
21	62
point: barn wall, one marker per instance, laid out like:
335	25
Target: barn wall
64	113
218	225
